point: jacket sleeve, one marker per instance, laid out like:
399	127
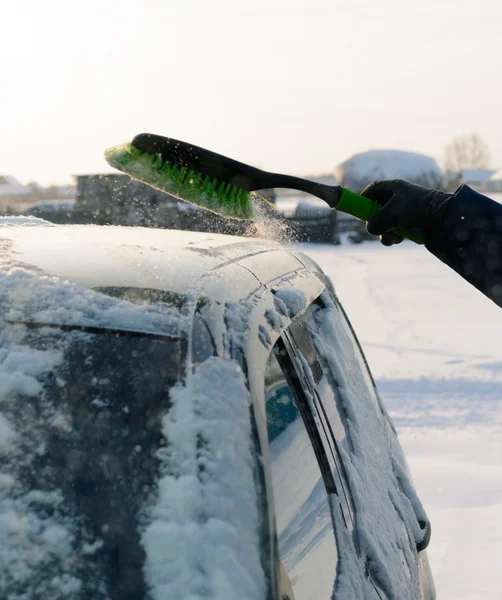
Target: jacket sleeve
469	240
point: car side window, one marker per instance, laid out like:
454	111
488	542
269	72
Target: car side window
336	343
307	547
327	343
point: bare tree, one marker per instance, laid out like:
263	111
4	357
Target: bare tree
467	152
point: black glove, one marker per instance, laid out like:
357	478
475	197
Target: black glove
405	205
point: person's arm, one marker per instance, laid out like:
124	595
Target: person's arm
464	229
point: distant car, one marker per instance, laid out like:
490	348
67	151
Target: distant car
189	415
56	211
316	222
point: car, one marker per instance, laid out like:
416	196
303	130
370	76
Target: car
315	221
190	415
55	211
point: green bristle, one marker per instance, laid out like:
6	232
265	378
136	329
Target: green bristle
209	190
226	194
183	175
212	198
158	163
240	203
205	188
233	191
230	200
206	184
232	195
227	206
175	175
213	187
220	192
245	205
187	188
190	179
237	202
195	187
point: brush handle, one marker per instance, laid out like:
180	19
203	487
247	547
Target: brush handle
364	208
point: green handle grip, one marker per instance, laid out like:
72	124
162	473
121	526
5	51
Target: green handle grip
364	209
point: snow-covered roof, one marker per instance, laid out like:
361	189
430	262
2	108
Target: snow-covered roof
10	186
477	175
388	164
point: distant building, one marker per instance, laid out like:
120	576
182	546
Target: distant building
10	186
13	195
477	179
117	199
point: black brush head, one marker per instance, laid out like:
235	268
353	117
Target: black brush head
202	161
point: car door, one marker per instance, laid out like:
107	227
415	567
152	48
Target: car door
317	556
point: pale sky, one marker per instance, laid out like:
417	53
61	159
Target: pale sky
287	85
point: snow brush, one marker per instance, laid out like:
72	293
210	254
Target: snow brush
222	184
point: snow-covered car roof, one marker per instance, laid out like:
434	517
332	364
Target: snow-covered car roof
168	260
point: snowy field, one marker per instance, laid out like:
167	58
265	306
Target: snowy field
434	345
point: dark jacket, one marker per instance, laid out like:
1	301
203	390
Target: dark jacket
469	240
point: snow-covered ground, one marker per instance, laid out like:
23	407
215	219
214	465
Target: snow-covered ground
434	345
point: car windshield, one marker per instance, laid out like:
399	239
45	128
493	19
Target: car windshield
87	422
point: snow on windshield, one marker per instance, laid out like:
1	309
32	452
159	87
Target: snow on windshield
207	496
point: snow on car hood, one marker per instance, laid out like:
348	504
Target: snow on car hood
202	539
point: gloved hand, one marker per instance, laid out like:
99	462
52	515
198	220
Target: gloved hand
405	205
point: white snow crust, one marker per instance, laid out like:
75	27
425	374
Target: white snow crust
202	539
274	319
24	222
289	301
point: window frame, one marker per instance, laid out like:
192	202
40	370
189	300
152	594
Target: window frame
295	381
325	431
